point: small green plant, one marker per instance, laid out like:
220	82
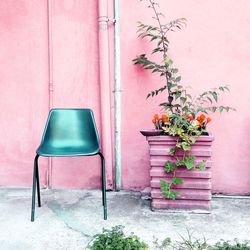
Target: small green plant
115	239
192	243
189	243
236	245
185	113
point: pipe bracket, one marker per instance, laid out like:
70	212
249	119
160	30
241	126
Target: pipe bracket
104	21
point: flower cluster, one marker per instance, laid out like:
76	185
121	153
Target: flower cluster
159	122
202	121
163	121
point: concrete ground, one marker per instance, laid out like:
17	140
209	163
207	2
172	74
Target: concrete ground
69	218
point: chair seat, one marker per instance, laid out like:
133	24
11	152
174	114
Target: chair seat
53	150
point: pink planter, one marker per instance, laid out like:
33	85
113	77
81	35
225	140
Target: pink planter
195	192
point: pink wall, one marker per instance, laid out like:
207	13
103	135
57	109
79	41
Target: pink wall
212	50
24	99
75	71
24	85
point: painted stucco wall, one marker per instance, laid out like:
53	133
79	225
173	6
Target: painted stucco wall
212	50
24	85
76	81
24	99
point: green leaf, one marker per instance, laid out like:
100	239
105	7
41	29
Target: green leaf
180	131
201	166
164	104
177	95
174	71
170	62
155	70
178	79
179	163
189	162
165	187
183	99
172	85
190	165
185	109
172	151
172	195
186	146
156	49
150	67
170	99
215	96
169	166
153	38
165	184
209	99
193	139
214	109
177	180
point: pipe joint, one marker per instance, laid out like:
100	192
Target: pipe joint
51	87
105	21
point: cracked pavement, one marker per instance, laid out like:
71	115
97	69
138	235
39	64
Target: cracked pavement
68	219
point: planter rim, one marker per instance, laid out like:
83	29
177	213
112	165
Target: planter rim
206	138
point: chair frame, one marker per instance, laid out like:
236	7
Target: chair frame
36	183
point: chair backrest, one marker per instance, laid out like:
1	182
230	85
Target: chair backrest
71	127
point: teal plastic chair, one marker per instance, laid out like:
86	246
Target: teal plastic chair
68	132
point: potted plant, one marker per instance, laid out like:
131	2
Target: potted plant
184	148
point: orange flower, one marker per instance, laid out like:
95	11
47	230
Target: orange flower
164	118
156	117
209	119
202	117
154	121
191	118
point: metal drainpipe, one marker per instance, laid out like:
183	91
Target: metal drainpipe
117	97
105	89
51	85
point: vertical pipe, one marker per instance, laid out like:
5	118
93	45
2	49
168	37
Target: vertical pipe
117	98
105	88
51	86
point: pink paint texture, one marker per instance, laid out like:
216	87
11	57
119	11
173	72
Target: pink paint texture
212	50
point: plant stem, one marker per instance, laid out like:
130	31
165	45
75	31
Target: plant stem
161	30
165	49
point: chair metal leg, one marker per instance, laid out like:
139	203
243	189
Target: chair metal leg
37	182
35	174
104	200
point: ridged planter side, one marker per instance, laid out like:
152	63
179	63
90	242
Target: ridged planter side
195	192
